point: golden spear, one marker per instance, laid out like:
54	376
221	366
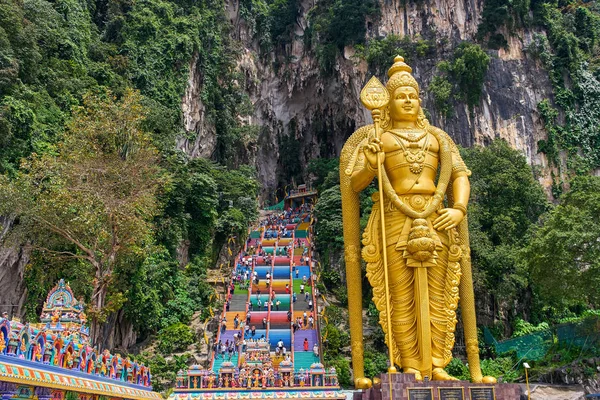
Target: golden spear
374	97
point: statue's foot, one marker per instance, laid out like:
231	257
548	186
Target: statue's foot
415	372
438	374
362	383
489	379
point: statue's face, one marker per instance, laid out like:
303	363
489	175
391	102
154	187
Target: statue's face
405	104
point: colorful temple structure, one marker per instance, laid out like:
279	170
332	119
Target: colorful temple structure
268	343
45	361
303	194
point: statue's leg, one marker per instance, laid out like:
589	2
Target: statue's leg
402	280
404	318
442	339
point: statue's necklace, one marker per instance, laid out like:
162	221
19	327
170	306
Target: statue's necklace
410	136
415	154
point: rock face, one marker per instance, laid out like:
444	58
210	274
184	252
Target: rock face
203	136
317	112
584	372
13	260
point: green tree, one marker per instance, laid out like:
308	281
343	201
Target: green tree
506	201
176	337
469	65
328	212
380	52
441	89
96	199
563	255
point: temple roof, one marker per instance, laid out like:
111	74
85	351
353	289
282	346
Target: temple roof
62	311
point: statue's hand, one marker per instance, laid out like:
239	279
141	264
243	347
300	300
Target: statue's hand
371	150
448	218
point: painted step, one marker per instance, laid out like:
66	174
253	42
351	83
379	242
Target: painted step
219	361
280	334
304	360
231	316
299	337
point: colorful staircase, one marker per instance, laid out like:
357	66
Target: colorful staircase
282	258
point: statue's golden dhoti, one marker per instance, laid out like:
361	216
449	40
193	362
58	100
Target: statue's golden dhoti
424	294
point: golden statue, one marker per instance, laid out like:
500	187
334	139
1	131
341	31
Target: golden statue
426	268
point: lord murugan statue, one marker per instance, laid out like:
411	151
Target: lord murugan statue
416	247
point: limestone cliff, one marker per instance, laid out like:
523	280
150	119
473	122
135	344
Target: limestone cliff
13	259
293	98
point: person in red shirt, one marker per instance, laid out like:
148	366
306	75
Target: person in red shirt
305	344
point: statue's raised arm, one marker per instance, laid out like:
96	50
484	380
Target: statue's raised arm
417	251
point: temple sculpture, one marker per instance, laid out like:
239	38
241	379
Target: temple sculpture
416	247
61	340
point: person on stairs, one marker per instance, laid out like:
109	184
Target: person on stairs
216	348
305	344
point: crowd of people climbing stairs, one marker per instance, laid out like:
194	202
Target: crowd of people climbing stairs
271	298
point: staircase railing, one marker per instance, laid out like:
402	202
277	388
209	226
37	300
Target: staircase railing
291	283
313	285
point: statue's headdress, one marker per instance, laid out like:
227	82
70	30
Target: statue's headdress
400	75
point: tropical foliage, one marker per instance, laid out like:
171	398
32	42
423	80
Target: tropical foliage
89	166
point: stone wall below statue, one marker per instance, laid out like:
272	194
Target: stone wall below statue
404	384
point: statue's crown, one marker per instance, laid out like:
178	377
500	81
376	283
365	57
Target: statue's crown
399	65
400	75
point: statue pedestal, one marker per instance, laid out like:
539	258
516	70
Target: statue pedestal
405	387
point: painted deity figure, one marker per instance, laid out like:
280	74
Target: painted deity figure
426	242
13	343
55	317
68	360
37	352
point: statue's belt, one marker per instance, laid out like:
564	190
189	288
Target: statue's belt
419	244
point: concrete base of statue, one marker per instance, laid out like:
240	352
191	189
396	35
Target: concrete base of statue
406	387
